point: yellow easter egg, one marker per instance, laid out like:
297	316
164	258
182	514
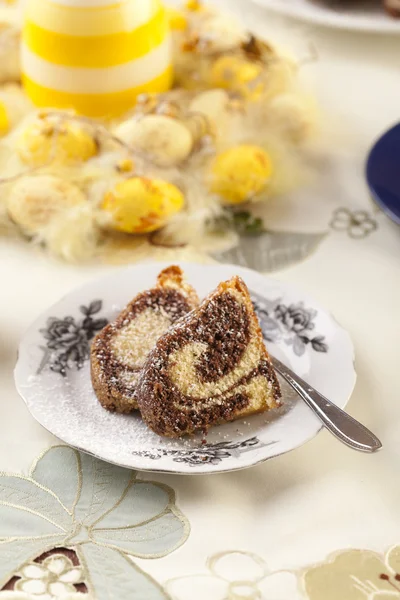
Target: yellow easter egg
14	106
236	73
34	201
240	173
4	120
44	142
177	19
95	56
126	165
140	205
194	5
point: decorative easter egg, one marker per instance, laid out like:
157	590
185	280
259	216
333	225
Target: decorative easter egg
165	141
177	19
237	74
95	56
240	173
141	205
211	103
4	118
222	33
125	165
14	106
194	5
35	201
293	115
44	141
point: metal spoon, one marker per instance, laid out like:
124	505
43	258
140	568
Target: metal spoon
340	424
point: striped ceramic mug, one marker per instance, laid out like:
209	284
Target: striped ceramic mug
95	56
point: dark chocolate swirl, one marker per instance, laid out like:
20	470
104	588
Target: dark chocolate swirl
166	301
201	371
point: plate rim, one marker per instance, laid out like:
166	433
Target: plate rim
138	467
391	27
370	157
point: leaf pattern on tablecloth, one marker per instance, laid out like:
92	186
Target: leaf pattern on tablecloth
235	575
358	224
100	514
346	575
355	575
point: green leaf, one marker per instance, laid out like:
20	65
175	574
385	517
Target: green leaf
103	486
144	501
245	223
51	469
113	575
156	538
28	510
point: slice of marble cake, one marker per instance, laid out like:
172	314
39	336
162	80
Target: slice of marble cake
210	368
120	350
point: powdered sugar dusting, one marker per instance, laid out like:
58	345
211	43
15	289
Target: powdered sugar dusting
74	402
211	368
133	342
120	350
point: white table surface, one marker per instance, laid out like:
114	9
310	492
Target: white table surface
322	498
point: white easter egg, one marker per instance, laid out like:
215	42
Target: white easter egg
35	200
165	141
211	103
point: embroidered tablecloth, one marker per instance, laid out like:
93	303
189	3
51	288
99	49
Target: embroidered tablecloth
320	523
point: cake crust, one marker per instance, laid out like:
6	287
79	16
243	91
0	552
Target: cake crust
209	368
119	351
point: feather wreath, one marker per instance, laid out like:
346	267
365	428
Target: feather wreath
235	130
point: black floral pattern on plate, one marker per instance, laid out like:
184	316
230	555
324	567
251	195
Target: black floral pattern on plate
211	454
67	339
293	323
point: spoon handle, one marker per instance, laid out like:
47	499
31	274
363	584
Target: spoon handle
340	424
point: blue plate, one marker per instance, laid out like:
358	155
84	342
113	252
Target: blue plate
383	173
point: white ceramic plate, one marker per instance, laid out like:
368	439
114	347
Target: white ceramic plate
356	15
53	375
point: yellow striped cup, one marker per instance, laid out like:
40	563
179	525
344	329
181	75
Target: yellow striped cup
95	56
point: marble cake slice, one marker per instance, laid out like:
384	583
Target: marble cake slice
210	368
119	351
